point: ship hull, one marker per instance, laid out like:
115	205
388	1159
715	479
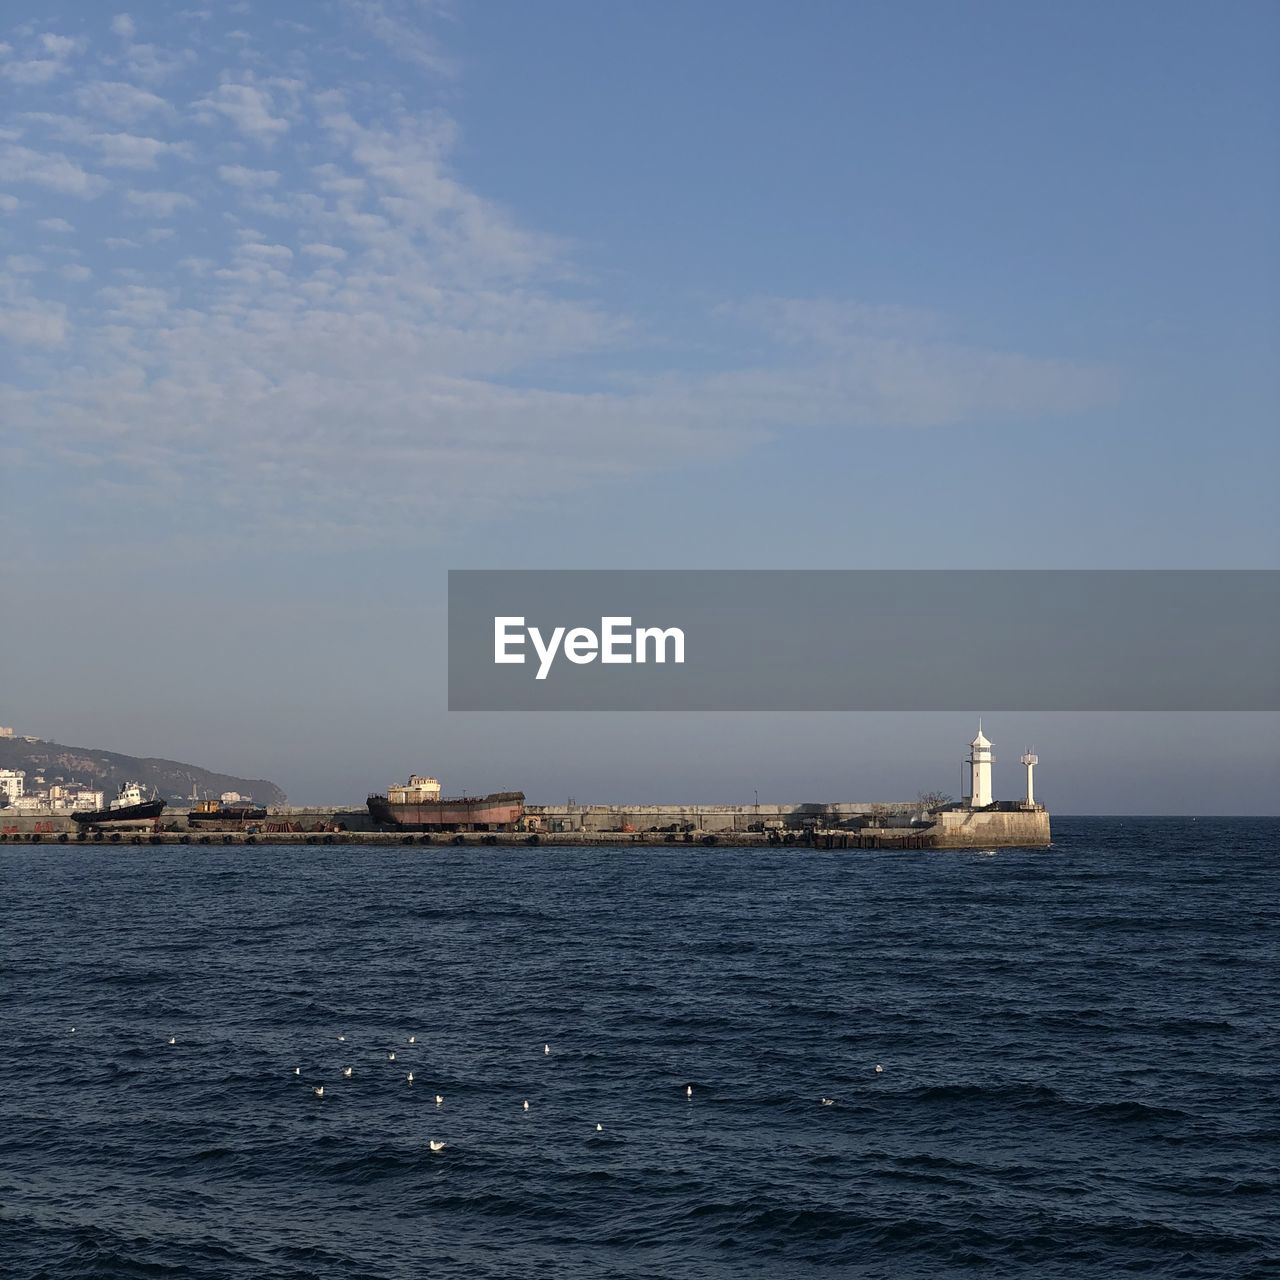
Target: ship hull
145	812
499	811
229	819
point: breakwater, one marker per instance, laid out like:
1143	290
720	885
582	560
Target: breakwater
956	829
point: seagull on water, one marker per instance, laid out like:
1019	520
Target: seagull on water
413	1039
346	1073
73	1030
526	1105
439	1099
318	1090
827	1102
391	1057
688	1091
173	1039
409	1077
599	1128
297	1071
879	1069
435	1146
342	1038
546	1048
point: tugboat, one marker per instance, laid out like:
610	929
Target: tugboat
129	806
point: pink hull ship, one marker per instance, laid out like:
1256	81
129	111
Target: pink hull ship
418	806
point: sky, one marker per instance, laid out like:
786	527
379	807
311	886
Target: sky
302	305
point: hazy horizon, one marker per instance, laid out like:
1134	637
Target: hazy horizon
1061	783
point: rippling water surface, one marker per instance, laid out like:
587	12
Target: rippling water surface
1079	1049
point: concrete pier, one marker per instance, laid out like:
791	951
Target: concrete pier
950	829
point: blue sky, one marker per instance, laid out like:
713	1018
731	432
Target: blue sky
303	304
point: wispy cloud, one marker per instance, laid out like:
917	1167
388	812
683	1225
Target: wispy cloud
24	166
240	176
248	107
133	151
335	316
118	101
401	28
26	320
158	204
47	56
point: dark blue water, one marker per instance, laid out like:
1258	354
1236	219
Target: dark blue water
1079	1046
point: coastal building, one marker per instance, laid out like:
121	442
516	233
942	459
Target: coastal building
54	799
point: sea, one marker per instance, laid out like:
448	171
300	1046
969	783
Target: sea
1060	1062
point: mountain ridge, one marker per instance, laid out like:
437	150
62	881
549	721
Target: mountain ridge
107	770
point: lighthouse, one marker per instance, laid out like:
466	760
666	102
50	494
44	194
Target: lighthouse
980	762
1030	759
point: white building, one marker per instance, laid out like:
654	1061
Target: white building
74	799
13	783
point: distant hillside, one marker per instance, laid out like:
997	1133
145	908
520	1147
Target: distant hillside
106	770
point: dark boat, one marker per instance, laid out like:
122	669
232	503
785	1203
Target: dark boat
224	817
419	806
128	806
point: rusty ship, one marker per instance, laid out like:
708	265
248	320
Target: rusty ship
417	805
215	815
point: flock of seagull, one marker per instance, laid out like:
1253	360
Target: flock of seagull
435	1145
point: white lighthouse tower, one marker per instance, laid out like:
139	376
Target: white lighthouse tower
1030	759
980	761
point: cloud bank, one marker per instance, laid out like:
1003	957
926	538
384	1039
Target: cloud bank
241	274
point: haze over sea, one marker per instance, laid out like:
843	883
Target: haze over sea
1079	1049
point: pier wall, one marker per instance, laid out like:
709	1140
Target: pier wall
991	829
713	818
831	826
